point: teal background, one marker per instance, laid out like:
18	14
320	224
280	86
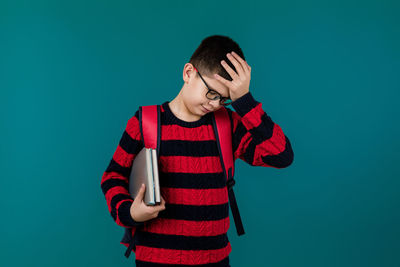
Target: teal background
73	72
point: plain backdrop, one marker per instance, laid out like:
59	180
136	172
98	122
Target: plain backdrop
73	72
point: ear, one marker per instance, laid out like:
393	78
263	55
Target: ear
188	72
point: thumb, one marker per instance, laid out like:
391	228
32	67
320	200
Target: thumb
141	192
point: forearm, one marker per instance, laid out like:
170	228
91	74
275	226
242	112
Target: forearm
114	182
257	139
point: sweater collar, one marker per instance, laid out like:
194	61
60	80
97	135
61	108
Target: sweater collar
170	116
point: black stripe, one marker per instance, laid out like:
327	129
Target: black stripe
223	263
130	145
115	167
112	182
167	120
248	154
195	212
180	242
283	159
259	134
114	201
189	148
238	135
244	104
192	180
263	131
124	215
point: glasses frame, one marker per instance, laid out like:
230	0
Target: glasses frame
219	96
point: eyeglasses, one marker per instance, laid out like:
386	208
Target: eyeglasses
214	95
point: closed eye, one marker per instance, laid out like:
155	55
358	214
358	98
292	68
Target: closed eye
216	93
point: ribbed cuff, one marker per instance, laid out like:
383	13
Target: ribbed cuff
124	214
244	104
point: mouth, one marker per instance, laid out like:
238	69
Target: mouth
205	110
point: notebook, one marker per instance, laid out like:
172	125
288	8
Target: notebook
145	170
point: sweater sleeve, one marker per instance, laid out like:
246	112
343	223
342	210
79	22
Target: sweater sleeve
115	180
256	138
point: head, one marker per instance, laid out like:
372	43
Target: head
199	72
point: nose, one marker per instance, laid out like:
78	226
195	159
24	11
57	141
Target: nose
214	103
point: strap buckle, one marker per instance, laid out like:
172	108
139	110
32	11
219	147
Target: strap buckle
230	183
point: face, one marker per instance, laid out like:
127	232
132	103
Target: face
194	92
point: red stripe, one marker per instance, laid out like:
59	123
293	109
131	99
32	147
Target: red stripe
173	256
244	143
195	196
252	118
113	175
187	164
187	228
122	157
270	147
201	133
133	129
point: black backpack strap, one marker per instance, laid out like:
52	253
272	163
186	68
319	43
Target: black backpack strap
131	241
222	129
234	207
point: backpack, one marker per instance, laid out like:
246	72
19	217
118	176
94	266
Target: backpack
150	128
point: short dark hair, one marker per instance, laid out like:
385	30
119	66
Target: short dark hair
207	57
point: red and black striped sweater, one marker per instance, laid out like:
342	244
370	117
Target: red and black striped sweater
192	230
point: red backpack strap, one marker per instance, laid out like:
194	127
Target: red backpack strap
223	134
150	129
223	125
150	126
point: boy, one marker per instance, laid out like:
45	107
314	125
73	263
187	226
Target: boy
190	226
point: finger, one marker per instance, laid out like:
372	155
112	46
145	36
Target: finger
223	80
248	67
243	63
159	208
238	65
228	69
162	203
